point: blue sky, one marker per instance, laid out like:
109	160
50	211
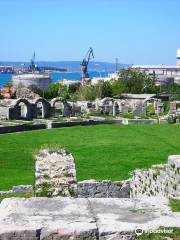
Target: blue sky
135	31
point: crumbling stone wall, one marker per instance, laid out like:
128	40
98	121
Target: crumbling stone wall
159	180
23	92
55	173
17	189
103	189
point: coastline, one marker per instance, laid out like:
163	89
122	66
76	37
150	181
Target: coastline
70	75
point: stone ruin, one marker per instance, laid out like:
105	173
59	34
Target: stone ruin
29	106
93	215
129	103
175	108
55	175
25	109
159	180
22	92
83	219
28	109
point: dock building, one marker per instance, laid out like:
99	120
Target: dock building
165	74
40	80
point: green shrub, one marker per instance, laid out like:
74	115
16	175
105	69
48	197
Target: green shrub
150	109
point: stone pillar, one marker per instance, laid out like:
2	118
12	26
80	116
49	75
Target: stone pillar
55	173
172	107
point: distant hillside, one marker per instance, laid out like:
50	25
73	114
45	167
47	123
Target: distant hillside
71	65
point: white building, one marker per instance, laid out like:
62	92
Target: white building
41	80
165	73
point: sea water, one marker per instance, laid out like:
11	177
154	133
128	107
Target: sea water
4	78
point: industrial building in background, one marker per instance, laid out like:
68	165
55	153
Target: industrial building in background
40	80
165	74
35	77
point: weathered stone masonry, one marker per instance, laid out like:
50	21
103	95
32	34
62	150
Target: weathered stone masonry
55	173
160	180
56	176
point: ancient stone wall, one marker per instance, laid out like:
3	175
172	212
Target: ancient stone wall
160	180
22	92
21	128
4	113
17	189
55	173
103	189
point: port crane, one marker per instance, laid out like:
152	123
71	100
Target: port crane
84	65
32	65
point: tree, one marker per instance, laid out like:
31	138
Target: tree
57	90
102	89
118	86
73	88
53	90
138	82
86	93
91	92
172	89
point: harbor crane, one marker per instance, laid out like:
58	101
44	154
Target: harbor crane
32	65
84	65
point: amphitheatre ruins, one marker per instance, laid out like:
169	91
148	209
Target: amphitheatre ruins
63	207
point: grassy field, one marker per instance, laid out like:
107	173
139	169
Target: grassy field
101	152
175	205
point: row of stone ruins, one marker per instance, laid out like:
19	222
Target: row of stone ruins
37	107
27	109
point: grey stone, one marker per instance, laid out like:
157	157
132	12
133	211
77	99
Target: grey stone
22	92
160	180
83	219
22	188
19	188
23	108
100	189
55	173
57	218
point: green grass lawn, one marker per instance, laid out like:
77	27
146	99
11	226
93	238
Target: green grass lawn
175	205
101	152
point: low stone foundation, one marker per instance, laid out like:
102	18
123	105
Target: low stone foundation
17	189
103	189
55	175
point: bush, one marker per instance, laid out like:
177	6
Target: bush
150	109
